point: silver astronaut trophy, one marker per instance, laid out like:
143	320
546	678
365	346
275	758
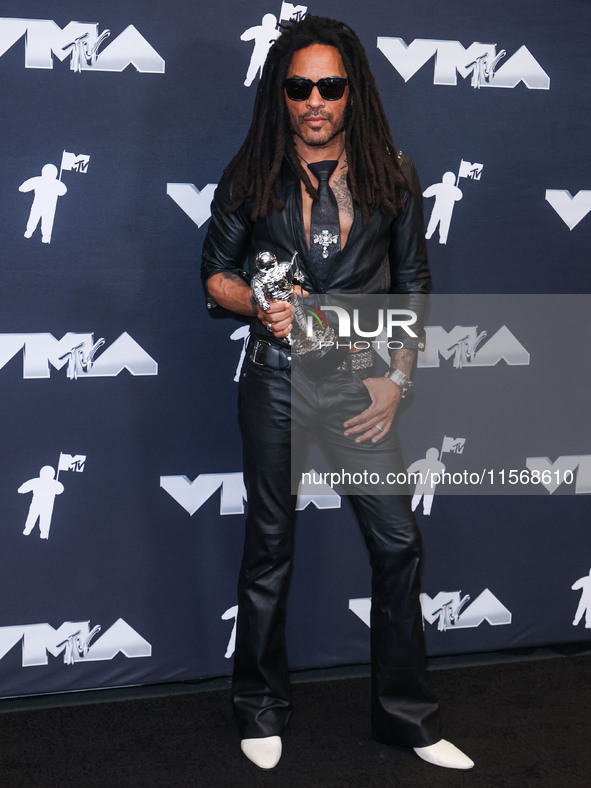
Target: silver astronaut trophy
274	281
314	345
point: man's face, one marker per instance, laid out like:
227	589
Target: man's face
315	120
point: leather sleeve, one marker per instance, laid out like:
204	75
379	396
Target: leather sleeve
228	238
409	267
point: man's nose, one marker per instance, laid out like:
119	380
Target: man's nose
315	99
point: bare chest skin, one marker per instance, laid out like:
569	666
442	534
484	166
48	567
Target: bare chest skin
338	184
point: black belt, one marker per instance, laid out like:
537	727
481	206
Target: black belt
267	355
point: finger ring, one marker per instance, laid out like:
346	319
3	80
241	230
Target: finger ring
269	326
381	429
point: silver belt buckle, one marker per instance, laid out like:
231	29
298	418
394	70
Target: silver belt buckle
258	343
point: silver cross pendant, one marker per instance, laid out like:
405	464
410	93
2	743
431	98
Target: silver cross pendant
325	239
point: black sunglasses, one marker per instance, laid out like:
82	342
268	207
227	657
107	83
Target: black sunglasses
330	88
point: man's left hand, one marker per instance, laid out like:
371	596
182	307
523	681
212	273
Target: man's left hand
374	423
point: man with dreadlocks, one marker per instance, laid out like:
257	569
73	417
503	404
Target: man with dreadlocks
318	120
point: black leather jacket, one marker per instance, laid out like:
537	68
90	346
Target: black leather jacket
388	255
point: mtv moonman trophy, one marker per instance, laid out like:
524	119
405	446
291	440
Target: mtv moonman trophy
313	345
273	281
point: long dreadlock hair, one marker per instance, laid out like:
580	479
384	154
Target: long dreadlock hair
376	180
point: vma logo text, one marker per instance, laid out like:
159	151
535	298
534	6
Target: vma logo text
479	61
81	42
195	203
468	349
562	470
77	353
74	640
191	495
449	609
571	209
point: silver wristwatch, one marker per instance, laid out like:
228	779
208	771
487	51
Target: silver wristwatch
398	377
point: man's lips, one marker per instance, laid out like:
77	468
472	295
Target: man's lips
314	120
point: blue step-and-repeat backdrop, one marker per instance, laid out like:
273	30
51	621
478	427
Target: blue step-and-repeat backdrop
122	502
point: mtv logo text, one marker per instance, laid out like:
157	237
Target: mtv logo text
451	610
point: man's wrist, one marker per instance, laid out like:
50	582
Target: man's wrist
398	377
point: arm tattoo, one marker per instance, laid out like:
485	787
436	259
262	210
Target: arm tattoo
403	360
231	275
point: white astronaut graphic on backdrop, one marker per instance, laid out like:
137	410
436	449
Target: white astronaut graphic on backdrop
44	488
584	608
428	472
447	194
231	614
425	487
242	333
48	188
265	34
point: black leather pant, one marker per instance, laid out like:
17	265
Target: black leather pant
403	709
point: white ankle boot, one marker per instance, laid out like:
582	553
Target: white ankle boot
444	753
264	752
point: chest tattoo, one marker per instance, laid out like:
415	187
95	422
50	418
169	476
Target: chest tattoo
343	196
